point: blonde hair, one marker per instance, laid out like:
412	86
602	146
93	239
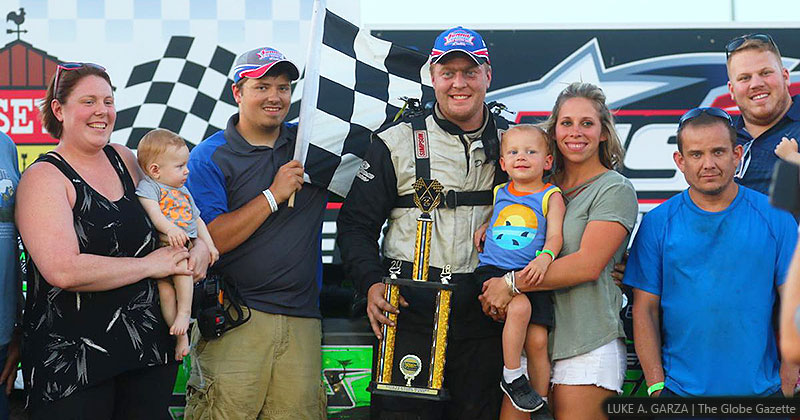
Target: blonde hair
154	144
754	44
611	151
531	129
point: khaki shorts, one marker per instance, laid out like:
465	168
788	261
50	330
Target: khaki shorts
267	368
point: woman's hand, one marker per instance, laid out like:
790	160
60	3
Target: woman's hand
497	314
495	296
165	262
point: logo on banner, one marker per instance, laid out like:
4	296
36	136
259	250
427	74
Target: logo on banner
647	95
421	137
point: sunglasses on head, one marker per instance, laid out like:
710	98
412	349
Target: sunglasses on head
737	42
714	112
73	66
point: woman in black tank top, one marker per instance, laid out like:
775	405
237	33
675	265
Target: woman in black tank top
95	344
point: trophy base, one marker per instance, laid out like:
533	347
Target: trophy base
402	391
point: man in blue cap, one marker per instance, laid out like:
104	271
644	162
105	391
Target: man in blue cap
241	177
456	144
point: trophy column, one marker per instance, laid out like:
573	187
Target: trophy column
422	247
440	324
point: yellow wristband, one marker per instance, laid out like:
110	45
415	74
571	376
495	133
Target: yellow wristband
658	386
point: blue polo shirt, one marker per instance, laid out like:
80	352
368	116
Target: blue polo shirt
717	275
763	158
276	270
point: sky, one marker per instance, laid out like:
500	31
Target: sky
533	14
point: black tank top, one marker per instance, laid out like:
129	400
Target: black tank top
73	340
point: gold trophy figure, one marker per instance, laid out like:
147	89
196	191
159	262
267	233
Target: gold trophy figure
427	195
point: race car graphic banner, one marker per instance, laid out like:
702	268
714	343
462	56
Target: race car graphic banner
651	77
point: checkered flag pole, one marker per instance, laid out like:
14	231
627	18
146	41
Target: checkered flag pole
186	91
353	85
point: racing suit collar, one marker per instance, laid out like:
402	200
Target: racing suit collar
455	130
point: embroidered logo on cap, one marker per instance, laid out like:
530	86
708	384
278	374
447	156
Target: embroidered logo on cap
269	54
459	38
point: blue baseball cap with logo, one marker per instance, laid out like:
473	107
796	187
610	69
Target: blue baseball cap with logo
256	63
461	40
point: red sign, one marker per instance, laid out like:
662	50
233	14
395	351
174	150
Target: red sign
19	116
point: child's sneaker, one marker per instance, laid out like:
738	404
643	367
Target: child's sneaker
543	413
521	394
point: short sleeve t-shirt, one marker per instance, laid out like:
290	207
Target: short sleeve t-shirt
587	315
9	263
717	275
176	204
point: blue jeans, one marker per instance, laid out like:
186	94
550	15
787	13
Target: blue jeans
3	397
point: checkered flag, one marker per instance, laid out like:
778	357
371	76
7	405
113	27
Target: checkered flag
187	91
353	85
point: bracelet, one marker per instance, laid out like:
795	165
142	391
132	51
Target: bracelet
273	205
658	386
511	282
548	252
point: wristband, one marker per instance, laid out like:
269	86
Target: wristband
511	282
273	205
548	252
658	386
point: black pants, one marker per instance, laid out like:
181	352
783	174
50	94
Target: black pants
472	376
138	394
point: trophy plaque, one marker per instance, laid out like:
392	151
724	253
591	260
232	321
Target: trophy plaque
427	195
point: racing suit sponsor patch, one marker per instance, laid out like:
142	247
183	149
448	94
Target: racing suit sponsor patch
363	172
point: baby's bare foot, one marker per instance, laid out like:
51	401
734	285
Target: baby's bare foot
180	325
181	347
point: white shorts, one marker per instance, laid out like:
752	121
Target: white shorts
604	366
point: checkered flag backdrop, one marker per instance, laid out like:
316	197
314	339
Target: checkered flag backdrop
353	85
187	91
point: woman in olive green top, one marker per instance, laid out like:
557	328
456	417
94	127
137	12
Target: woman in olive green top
588	339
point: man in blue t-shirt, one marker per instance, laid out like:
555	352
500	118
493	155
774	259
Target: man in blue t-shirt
759	84
10	278
706	267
